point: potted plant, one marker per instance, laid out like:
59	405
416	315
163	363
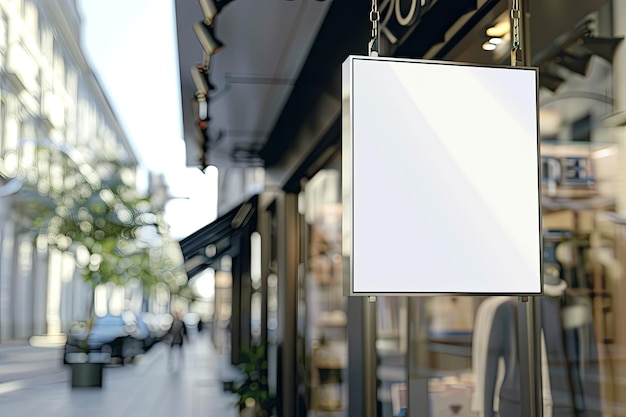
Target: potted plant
253	393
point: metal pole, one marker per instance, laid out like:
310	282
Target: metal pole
529	348
369	357
528	314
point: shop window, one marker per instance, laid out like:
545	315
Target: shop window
581	129
321	299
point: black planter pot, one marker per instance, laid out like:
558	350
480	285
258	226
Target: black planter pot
86	375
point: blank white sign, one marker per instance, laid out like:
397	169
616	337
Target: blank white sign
440	178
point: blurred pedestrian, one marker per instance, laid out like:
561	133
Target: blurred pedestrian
177	335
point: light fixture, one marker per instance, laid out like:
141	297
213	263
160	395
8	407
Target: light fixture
201	80
209	42
488	46
499	29
203	107
210	9
495	41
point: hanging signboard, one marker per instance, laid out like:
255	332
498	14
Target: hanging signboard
441	181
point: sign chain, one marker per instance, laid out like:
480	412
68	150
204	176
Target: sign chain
373	46
516	47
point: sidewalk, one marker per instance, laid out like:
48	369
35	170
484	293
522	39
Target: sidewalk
144	389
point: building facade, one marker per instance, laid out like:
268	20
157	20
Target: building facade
54	120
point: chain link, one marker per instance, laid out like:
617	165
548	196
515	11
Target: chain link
515	41
373	46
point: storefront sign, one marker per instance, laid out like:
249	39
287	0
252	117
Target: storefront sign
440	178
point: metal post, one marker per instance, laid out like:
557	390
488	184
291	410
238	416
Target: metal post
369	357
529	348
528	313
362	361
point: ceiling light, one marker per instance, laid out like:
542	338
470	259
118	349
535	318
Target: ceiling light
209	42
499	29
495	41
487	46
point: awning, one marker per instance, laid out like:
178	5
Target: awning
221	237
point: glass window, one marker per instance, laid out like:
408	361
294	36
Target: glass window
391	348
323	306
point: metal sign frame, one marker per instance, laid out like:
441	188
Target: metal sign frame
380	152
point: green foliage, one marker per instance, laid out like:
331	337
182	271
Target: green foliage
107	229
254	385
101	219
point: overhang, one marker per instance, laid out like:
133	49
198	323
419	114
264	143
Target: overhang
205	247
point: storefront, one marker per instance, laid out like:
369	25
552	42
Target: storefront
334	355
425	352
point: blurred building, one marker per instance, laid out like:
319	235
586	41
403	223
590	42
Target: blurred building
54	119
274	114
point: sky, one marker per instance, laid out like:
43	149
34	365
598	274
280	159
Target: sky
131	47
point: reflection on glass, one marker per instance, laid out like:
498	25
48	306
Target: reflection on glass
322	303
391	348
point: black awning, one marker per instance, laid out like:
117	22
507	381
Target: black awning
221	237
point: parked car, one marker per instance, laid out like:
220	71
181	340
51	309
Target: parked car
110	338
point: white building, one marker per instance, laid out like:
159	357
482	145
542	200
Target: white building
51	108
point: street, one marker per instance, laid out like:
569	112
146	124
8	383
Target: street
34	382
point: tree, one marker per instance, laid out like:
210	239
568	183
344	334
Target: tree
92	209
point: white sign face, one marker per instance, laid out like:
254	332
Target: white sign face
440	177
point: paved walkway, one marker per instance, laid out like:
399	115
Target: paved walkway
145	389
